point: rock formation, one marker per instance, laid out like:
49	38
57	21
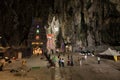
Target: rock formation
94	22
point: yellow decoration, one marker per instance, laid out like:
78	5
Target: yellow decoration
115	58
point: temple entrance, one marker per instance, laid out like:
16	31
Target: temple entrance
37	50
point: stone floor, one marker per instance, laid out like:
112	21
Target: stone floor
89	70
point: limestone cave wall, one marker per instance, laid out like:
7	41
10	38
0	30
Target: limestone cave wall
94	22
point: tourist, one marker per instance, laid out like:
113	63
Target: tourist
85	56
59	56
80	61
1	66
68	56
62	61
98	58
68	62
71	61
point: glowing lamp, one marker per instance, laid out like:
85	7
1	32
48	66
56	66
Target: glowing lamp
37	26
37	31
37	37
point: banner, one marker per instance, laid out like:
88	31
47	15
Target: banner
50	41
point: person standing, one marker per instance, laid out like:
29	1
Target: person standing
85	56
71	61
68	62
1	66
80	62
62	61
68	57
98	58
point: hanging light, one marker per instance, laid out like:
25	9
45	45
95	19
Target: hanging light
37	37
37	31
38	26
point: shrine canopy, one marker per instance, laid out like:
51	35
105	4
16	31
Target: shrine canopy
110	52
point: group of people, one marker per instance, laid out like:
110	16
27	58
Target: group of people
60	61
70	61
80	60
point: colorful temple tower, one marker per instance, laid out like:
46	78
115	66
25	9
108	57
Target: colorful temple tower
37	37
